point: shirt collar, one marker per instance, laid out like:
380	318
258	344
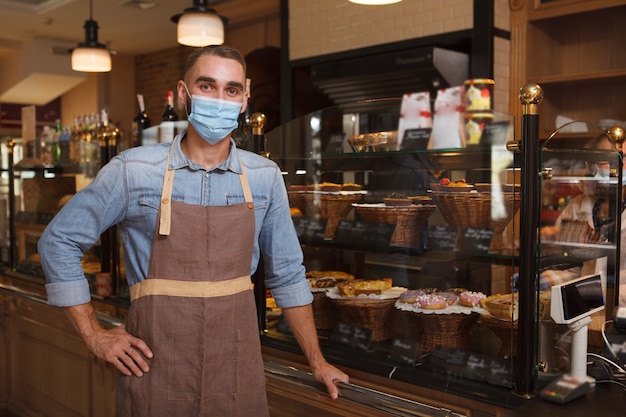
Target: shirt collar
179	160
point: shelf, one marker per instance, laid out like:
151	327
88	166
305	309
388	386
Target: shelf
596	76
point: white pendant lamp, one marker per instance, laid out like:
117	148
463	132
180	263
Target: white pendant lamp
200	25
91	56
374	2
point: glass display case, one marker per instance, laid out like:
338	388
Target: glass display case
412	251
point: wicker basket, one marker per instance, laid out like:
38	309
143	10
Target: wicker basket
333	207
324	311
367	313
465	210
450	330
506	332
408	221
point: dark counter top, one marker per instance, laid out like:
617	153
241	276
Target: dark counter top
607	400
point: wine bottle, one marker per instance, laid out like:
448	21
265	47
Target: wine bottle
167	129
140	122
169	115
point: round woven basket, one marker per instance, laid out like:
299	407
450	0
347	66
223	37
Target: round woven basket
465	210
371	314
333	207
449	330
408	221
506	331
324	312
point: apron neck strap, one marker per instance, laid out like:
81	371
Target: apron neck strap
165	217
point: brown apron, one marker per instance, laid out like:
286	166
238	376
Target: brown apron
197	313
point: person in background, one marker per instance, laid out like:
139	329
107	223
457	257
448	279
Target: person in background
195	216
594	208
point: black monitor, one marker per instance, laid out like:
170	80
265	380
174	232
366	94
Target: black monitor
576	299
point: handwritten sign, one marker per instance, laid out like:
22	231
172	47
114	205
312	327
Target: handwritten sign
415	139
363	233
310	230
476	239
404	351
441	237
357	337
496	133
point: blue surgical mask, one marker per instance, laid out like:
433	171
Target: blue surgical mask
213	118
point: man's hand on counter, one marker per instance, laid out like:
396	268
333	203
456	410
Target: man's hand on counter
126	352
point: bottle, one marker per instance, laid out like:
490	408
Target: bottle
169	115
140	122
167	129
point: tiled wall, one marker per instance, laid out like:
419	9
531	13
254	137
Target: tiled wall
323	27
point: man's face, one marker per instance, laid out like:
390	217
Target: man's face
216	77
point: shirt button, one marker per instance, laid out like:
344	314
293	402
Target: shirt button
206	175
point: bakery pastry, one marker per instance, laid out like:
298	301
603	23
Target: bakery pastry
471	298
350	186
329	186
449	297
363	287
323	282
431	302
410	296
504	307
337	275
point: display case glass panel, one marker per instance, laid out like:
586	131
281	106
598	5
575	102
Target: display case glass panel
404	241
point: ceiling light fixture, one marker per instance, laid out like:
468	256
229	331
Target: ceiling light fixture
374	2
91	56
200	25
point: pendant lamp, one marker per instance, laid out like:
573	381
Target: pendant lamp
200	25
91	56
374	2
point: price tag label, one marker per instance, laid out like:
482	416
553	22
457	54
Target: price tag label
476	239
363	233
357	337
442	238
404	351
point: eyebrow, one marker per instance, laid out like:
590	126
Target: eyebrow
214	81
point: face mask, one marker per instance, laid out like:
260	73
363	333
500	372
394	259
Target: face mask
213	118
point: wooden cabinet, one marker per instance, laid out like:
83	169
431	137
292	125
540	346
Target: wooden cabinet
51	371
574	50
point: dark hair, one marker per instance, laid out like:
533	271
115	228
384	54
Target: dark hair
222	51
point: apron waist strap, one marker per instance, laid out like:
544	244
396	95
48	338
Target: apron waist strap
199	289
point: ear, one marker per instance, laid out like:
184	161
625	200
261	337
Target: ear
246	96
181	92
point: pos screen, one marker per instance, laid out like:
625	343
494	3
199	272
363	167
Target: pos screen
581	296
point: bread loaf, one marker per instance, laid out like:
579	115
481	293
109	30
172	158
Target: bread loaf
360	287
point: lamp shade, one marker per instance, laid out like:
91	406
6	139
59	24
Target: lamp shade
87	59
200	29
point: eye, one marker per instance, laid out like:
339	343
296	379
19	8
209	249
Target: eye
232	91
206	87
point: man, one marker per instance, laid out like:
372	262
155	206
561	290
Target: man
194	216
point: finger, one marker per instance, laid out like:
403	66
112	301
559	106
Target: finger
142	346
138	359
130	364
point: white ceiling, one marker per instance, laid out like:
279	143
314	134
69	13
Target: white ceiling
124	26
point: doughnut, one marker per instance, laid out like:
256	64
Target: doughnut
430	302
410	296
471	298
450	297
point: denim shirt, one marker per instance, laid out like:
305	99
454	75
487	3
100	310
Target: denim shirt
127	192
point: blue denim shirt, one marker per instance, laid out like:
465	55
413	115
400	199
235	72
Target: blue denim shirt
127	192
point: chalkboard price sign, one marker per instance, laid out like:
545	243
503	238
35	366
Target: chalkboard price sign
476	240
442	237
404	351
415	139
357	337
310	230
496	133
363	233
